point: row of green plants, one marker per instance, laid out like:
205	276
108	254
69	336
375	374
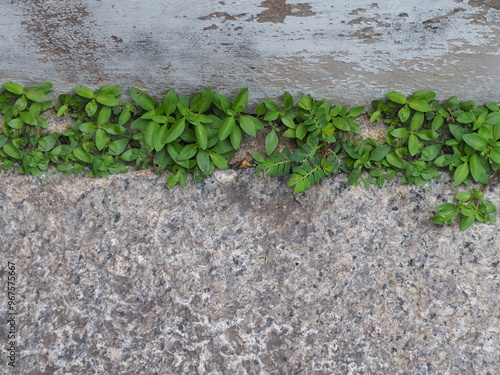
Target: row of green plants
183	136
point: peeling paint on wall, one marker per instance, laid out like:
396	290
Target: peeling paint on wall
278	10
352	50
62	32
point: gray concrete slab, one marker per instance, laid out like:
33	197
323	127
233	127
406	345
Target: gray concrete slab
236	275
353	51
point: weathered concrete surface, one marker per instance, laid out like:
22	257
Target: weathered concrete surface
354	50
238	276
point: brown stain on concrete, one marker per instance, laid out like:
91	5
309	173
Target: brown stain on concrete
64	36
278	10
495	4
223	15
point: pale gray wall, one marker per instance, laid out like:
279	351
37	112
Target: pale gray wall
349	50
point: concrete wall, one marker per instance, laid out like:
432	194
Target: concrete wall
354	50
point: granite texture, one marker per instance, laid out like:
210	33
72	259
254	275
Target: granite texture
236	275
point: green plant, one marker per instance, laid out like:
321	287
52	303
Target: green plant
180	135
471	207
422	135
324	137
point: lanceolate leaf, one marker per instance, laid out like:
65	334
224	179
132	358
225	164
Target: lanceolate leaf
475	141
12	151
241	101
201	136
175	131
397	97
477	170
271	142
142	98
227	127
82	155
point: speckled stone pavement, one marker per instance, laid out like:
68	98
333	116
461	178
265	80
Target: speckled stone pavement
236	275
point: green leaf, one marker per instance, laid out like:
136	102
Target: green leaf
130	155
356	111
271	142
84	92
248	125
437	122
380	152
175	131
201	136
272	115
413	145
496	132
14	88
100	139
420	105
113	129
404	113
187	152
105	98
258	157
241	101
21	103
493	118
431	152
466	222
288	101
142	99
423	95
288	122
375	116
495	155
117	147
218	161
353	177
91	108
395	160
149	135
400	133
82	155
236	138
170	102
341	124
35	94
477	169
466	117
159	137
16	123
104	115
426	135
463	196
203	161
222	102
457	131
206	100
397	97
227	127
28	118
4	139
416	121
301	131
475	141
461	173
125	116
12	151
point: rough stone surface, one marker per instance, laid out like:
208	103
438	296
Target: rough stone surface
236	275
353	50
